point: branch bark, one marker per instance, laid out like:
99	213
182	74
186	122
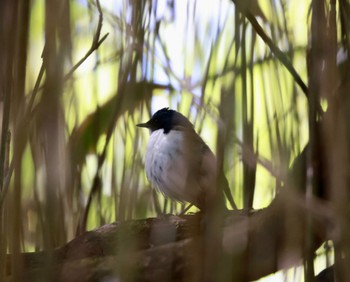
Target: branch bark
169	248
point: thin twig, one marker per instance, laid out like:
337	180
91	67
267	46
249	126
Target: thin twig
8	170
273	47
101	157
5	179
93	48
6	184
109	133
4	136
251	158
96	43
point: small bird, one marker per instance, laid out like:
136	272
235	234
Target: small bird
178	162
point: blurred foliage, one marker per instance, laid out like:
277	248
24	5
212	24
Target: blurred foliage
76	77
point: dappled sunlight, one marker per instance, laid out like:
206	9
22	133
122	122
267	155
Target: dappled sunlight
262	189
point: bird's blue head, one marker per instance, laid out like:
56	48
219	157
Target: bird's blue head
166	119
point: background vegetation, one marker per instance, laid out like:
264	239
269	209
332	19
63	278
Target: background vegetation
261	81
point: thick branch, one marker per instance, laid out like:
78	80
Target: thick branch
170	249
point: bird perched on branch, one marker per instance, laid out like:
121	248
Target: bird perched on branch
178	162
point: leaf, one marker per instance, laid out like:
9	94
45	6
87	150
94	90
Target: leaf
84	139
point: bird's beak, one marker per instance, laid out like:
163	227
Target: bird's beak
146	124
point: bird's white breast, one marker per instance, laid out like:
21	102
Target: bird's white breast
167	165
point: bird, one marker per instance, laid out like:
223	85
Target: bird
178	162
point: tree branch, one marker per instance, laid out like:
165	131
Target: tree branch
168	248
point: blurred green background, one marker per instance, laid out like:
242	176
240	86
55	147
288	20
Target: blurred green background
88	71
191	48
